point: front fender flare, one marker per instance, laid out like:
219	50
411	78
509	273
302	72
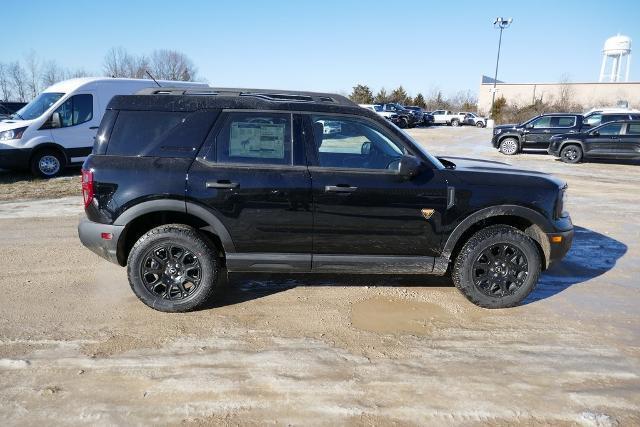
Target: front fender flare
493	211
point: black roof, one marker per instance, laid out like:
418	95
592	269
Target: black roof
192	99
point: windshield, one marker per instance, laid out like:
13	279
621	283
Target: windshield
39	105
423	150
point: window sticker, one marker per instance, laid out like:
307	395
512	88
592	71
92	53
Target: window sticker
261	140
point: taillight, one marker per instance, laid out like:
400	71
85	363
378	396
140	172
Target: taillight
87	187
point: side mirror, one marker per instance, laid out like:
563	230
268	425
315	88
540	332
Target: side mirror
409	166
529	126
595	133
54	122
365	149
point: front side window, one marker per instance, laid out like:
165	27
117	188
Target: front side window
38	106
612	129
562	122
542	122
614	118
76	110
349	142
255	138
594	120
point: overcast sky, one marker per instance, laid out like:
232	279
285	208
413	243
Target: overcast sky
332	45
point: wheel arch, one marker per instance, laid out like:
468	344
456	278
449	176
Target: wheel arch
141	218
49	146
527	220
517	136
572	142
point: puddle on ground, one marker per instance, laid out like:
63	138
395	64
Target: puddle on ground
388	315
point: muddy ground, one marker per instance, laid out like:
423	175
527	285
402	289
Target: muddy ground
76	346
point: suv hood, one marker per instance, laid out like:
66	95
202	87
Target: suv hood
507	126
497	169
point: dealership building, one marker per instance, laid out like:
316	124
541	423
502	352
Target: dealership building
589	95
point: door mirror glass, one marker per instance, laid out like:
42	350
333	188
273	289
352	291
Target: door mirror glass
595	133
53	122
365	149
529	126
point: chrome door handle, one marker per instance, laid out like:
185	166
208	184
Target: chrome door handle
546	131
339	189
222	184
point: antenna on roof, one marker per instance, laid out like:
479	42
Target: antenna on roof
152	78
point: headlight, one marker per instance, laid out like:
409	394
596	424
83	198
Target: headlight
562	203
12	134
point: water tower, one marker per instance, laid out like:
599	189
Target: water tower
618	48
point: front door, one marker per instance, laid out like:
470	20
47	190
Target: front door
536	132
78	124
251	174
362	206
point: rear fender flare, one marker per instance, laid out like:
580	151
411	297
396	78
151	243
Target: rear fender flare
214	226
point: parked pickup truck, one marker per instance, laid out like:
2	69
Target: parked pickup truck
446	117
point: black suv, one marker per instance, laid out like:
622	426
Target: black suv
613	140
184	187
535	133
408	118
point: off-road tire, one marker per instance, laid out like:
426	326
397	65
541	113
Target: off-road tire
42	163
462	271
455	123
187	237
509	146
571	153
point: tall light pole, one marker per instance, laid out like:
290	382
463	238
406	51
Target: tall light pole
501	23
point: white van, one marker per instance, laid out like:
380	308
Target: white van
57	128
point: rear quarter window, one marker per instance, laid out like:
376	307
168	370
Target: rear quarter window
159	133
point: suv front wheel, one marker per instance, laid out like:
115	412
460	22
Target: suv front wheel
509	146
172	268
497	267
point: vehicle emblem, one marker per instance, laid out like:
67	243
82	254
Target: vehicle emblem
427	213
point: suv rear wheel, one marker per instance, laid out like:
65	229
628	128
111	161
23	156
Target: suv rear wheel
497	267
509	146
47	163
571	154
479	124
172	268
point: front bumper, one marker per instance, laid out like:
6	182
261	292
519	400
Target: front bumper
14	158
95	237
560	243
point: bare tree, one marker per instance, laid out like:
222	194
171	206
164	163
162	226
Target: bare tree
116	62
17	78
172	65
5	84
52	73
33	74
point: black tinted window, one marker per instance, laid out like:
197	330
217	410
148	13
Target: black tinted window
562	122
159	133
634	129
614	118
76	110
255	138
612	129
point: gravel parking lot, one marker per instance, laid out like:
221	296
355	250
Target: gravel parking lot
77	347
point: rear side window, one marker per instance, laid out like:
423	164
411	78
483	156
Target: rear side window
562	122
159	133
614	118
634	129
255	138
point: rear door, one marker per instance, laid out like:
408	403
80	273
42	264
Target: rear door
361	205
252	174
79	122
629	146
604	142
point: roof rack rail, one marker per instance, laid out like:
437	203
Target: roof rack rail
269	95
